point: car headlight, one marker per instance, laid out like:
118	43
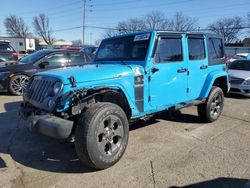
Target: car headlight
56	88
246	82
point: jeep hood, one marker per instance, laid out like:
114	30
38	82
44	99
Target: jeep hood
91	72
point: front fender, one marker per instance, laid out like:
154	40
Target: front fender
210	81
123	84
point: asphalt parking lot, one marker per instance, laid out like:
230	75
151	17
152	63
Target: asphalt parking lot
169	151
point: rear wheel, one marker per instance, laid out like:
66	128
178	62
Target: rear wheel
101	135
17	84
212	108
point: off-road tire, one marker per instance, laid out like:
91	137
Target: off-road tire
212	108
90	141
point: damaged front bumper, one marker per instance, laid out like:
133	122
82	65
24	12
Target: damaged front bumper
45	123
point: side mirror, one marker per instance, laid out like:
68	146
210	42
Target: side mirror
43	64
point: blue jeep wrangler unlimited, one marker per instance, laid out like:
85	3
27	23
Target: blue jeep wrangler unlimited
132	77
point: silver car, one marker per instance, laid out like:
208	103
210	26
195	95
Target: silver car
239	71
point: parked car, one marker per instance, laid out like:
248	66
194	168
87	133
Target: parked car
7	52
90	49
14	78
239	71
240	56
132	77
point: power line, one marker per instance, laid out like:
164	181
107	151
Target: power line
112	28
84	21
51	8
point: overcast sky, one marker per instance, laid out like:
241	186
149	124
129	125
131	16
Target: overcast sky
107	13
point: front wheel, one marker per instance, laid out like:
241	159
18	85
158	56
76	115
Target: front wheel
212	108
101	135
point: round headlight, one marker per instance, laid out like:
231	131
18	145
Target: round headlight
56	88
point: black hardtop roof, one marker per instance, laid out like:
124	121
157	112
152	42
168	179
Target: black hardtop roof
189	33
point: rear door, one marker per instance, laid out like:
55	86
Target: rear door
168	83
197	65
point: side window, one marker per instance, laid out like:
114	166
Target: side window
215	48
77	58
196	48
169	50
57	60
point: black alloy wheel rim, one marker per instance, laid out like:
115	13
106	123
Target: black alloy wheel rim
110	135
18	84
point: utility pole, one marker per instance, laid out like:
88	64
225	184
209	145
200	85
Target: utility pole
84	21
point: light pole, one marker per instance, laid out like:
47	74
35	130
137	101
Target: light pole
84	21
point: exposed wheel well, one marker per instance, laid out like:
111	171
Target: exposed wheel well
221	82
116	97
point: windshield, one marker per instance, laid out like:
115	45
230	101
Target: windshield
34	57
133	47
240	65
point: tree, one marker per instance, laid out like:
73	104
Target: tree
180	22
16	27
248	19
76	42
132	25
156	21
43	29
229	28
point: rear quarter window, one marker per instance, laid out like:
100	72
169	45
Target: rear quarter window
216	53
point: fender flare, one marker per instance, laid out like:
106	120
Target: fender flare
210	81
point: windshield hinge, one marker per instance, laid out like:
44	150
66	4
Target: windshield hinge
149	78
72	81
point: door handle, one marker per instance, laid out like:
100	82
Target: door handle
154	70
203	67
181	70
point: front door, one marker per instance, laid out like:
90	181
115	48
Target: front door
168	81
197	65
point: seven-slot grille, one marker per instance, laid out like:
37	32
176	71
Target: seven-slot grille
39	89
235	80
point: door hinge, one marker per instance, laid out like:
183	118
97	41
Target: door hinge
149	98
149	78
188	73
187	90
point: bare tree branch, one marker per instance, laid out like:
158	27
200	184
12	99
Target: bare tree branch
42	28
132	25
180	22
16	27
229	28
156	21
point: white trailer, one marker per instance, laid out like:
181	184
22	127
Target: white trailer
21	45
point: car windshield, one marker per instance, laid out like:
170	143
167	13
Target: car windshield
240	65
133	47
33	57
